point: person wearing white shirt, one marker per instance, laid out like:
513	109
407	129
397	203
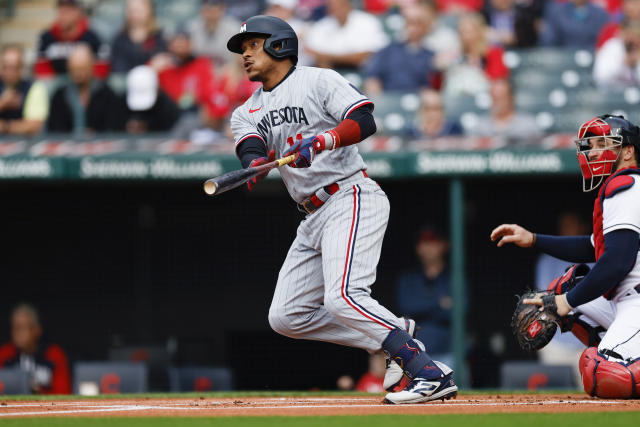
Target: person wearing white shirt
617	63
345	37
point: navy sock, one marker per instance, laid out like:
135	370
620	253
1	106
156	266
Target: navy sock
405	351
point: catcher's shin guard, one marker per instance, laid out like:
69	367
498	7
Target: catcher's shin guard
604	378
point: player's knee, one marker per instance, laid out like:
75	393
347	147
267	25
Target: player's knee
608	379
285	323
279	321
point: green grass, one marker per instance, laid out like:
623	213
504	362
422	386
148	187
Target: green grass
223	394
611	419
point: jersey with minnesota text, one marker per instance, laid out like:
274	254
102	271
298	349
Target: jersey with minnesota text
307	102
622	211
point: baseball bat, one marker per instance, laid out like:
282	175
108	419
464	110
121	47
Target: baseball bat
233	179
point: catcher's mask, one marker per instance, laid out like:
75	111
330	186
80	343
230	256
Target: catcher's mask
598	147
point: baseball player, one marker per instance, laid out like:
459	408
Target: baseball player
324	286
609	295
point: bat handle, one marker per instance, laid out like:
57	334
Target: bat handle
286	160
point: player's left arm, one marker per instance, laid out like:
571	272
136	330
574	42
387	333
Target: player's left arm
344	102
619	257
621	227
358	126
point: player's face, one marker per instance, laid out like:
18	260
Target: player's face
597	145
256	62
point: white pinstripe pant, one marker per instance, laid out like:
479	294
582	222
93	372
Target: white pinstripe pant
621	319
324	286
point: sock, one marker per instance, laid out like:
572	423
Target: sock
415	362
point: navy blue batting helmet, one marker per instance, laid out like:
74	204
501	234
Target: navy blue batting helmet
278	32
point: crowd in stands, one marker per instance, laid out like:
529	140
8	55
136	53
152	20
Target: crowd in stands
181	78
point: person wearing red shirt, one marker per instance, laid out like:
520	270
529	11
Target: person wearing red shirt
187	79
55	44
45	362
372	380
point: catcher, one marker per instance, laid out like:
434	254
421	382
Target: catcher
607	296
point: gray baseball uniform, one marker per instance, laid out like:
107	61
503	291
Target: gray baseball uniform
324	286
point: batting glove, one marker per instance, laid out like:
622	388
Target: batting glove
306	149
257	162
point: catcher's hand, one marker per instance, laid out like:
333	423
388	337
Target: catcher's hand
534	326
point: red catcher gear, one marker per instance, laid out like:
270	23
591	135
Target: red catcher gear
617	182
598	146
571	277
607	379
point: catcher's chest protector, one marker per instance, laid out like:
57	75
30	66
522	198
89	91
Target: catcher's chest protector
617	182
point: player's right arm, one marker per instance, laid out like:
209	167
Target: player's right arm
569	248
251	147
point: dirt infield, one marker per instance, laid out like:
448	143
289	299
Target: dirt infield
327	405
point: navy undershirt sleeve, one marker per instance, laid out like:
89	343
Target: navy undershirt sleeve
250	149
567	248
364	117
619	257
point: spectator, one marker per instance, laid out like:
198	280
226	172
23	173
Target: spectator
432	121
45	362
563	347
190	82
186	78
211	30
512	23
572	24
23	103
471	69
630	13
403	66
149	109
84	104
70	27
286	10
140	39
345	383
459	7
373	379
617	62
424	294
345	38
504	121
441	38
244	9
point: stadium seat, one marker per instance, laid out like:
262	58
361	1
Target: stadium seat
548	59
91	378
175	14
395	112
156	358
14	381
107	19
200	378
524	375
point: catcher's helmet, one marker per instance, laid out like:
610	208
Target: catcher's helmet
277	32
602	136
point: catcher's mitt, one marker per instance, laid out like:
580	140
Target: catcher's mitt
532	326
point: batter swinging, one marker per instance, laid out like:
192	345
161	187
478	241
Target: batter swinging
324	287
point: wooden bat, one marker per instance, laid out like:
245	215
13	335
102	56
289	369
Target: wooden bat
233	179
